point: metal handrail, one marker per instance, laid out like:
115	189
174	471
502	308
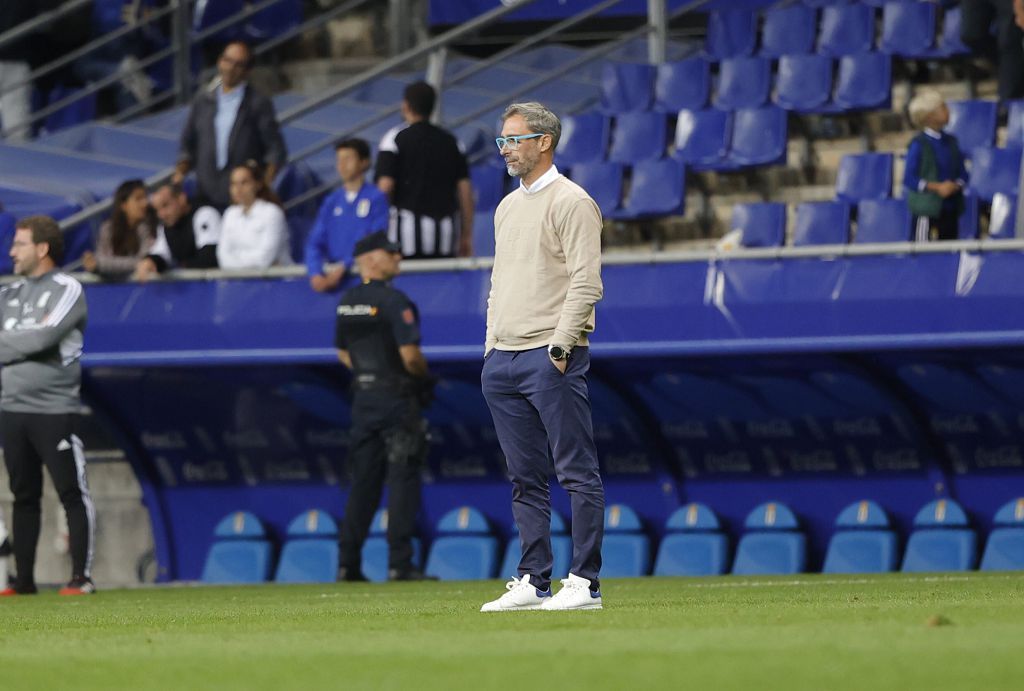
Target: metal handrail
40	21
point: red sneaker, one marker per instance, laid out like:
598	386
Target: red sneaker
8	592
79	585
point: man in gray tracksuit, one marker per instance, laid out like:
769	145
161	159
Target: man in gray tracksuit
42	319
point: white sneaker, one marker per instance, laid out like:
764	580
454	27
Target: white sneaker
575	594
521	595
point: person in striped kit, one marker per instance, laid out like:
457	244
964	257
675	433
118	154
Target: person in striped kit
42	320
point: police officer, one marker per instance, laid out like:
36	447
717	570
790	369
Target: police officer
378	339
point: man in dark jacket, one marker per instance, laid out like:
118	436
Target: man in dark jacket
229	124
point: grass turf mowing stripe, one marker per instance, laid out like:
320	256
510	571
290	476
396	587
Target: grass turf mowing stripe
809	632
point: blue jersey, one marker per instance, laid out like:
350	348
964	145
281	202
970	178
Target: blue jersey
340	224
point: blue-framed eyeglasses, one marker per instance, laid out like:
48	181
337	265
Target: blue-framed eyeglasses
513	142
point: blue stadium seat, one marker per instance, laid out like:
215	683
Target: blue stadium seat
702	138
7	223
375	549
694	544
788	30
657	188
626	550
682	84
993	171
1015	124
743	82
818	4
483	234
763	224
240	552
822	223
882	220
863	543
846	30
804	82
488	185
584	139
603	182
626	87
1004	550
973	123
466	550
311	553
967	227
1003	218
908	29
758	136
864	81
638	137
731	33
942	539
561	551
864	176
773	543
949	43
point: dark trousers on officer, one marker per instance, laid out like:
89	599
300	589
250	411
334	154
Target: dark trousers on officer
387	439
536	408
32	440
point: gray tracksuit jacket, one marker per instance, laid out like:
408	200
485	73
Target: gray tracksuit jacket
41	325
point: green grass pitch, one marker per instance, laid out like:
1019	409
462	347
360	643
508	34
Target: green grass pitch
809	632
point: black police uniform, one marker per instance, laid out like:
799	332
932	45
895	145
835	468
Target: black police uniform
388	431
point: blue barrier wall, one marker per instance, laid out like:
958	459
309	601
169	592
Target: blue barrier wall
816	382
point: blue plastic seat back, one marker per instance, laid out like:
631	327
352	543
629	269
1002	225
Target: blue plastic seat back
768	553
313	523
940	549
1003	218
692	554
864	81
627	87
682	84
375	557
625	555
308	560
758	136
561	552
693	517
602	181
240	525
941	513
702	137
771	515
822	223
483	234
743	82
993	171
237	561
950	43
1004	550
463	557
861	551
864	176
731	33
804	82
967	226
638	137
908	29
788	30
657	189
1015	124
973	123
464	520
488	185
863	515
584	139
882	220
7	223
763	224
1011	514
619	518
846	30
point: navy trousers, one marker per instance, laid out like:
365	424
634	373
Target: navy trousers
543	421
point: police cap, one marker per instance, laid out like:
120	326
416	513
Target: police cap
376	241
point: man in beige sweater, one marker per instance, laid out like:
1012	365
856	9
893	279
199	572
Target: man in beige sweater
540	311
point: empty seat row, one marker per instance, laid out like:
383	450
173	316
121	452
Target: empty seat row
806	83
910	29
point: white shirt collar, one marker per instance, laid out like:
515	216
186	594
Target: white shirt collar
932	133
540	183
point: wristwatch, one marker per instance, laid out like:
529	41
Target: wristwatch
557	352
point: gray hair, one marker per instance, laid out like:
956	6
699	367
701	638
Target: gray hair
538	118
922	105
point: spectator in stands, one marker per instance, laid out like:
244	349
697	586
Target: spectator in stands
423	172
185	238
544	285
126	237
935	176
254	232
346	216
16	61
978	19
229	123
